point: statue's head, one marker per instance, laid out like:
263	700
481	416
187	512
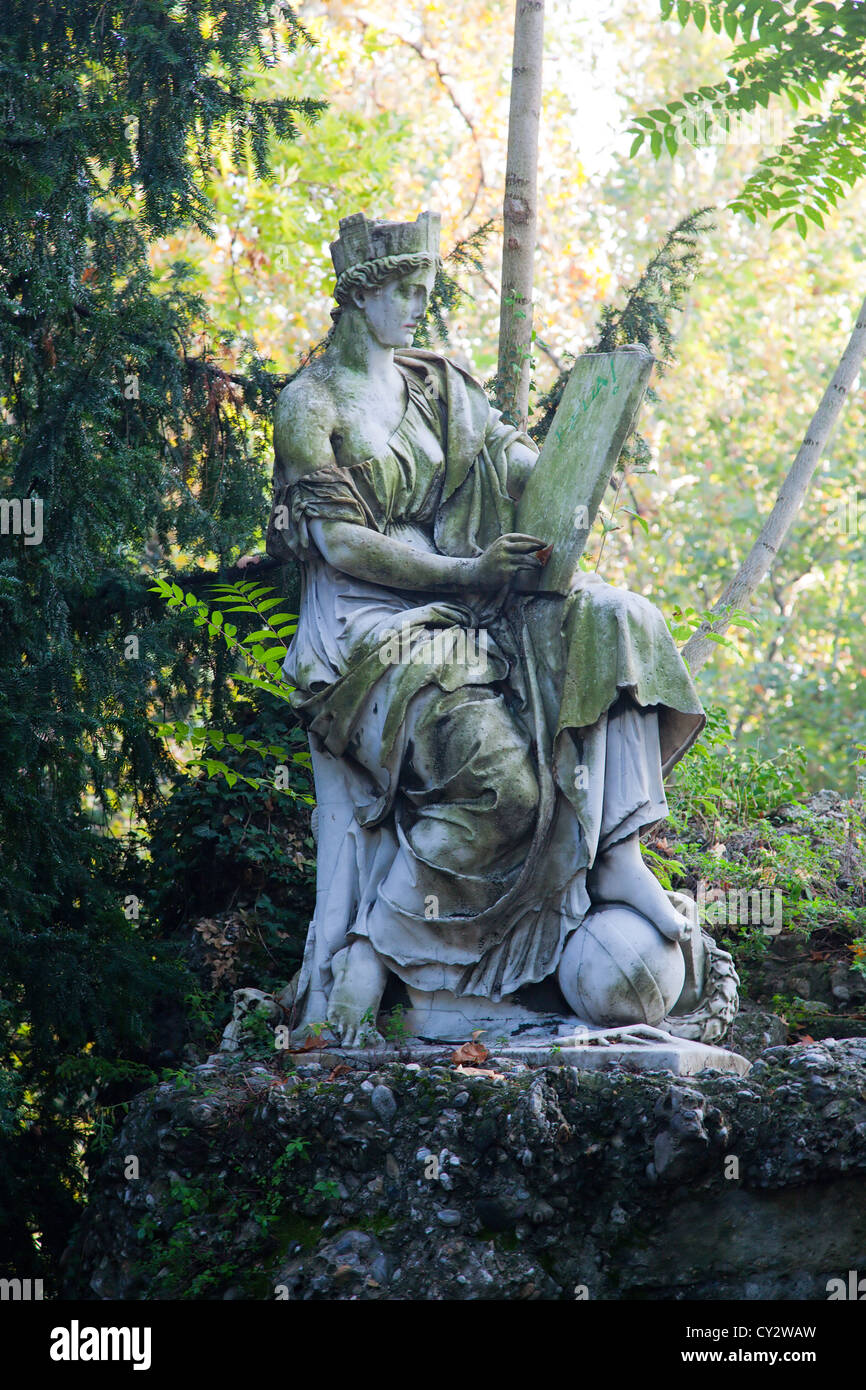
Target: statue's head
386	271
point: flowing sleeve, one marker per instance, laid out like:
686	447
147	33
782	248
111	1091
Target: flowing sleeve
328	494
499	435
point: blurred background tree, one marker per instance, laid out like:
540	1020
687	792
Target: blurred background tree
115	417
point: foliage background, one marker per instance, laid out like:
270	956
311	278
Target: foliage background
420	99
135	896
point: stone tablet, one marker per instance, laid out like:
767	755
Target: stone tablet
598	409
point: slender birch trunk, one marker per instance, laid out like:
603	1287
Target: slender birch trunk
792	493
519	212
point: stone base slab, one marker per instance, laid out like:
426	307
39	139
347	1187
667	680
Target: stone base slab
587	1053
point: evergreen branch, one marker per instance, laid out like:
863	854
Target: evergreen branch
646	317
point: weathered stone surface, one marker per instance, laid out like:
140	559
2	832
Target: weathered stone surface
597	411
541	724
520	1184
754	1030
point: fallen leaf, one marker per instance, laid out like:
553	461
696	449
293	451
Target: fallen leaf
544	554
310	1044
480	1071
339	1070
470	1052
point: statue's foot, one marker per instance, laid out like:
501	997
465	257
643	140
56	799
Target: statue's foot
359	981
642	1033
621	876
354	1030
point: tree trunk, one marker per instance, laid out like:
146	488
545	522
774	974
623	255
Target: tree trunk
789	501
519	213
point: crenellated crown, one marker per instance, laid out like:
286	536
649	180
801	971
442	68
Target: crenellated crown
361	240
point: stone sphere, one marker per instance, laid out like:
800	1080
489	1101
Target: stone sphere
618	968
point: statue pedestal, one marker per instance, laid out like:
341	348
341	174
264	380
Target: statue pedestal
511	1031
665	1053
443	1017
589	1050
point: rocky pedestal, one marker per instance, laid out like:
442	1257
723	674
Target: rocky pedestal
392	1180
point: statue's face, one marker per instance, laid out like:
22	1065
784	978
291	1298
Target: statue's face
394	310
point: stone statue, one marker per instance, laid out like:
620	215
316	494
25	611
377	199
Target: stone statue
484	758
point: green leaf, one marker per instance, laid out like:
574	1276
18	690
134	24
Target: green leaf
255	593
656	143
699	15
641	520
683	9
283	691
748	50
802	226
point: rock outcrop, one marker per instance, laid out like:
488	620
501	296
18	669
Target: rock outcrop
391	1181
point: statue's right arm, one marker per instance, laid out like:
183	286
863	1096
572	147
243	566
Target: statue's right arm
384	560
379	559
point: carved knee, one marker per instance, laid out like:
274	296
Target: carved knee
518	801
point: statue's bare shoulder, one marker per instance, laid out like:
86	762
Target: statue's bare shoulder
304	421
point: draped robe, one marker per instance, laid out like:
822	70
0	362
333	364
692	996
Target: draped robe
485	748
